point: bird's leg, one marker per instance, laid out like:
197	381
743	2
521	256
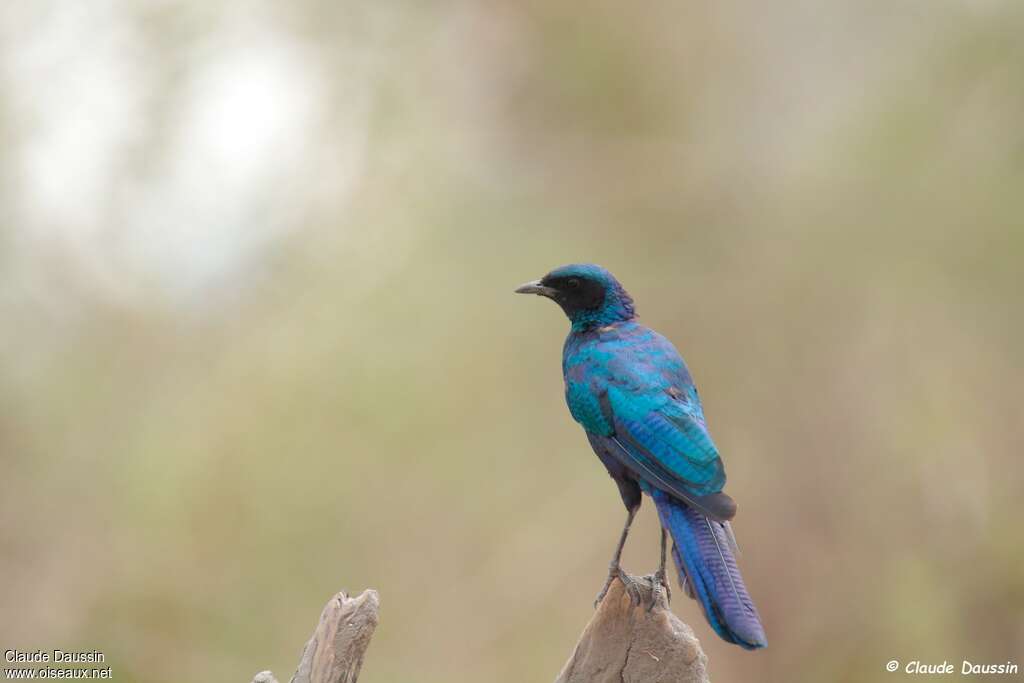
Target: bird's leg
660	582
615	571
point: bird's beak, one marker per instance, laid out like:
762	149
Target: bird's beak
535	287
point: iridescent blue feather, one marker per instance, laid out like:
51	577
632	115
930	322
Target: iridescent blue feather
631	391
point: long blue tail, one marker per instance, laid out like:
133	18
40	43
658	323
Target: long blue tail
703	552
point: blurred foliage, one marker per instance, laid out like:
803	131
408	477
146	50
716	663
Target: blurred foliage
259	340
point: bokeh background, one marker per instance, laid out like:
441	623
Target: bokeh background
259	341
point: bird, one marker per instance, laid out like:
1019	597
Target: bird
631	391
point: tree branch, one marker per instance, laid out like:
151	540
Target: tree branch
334	653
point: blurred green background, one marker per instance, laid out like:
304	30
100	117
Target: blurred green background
259	341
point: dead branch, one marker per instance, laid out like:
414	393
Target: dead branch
623	643
334	653
627	643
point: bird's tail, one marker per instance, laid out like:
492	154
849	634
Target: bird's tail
703	552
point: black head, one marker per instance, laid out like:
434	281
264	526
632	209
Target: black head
587	293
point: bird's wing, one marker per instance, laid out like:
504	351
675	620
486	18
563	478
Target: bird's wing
658	430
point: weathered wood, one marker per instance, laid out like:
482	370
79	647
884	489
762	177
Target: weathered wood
627	643
623	643
334	653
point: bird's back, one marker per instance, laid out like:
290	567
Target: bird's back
627	382
629	358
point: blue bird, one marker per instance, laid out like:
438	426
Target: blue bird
634	397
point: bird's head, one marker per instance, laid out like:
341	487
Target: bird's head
588	294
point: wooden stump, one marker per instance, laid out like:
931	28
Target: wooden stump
334	653
623	643
627	643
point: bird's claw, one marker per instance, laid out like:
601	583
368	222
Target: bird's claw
659	584
632	586
629	582
613	572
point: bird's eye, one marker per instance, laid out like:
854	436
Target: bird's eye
572	283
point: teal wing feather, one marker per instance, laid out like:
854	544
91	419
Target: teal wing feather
632	386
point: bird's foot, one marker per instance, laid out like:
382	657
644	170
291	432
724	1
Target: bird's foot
613	572
629	582
659	585
633	587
